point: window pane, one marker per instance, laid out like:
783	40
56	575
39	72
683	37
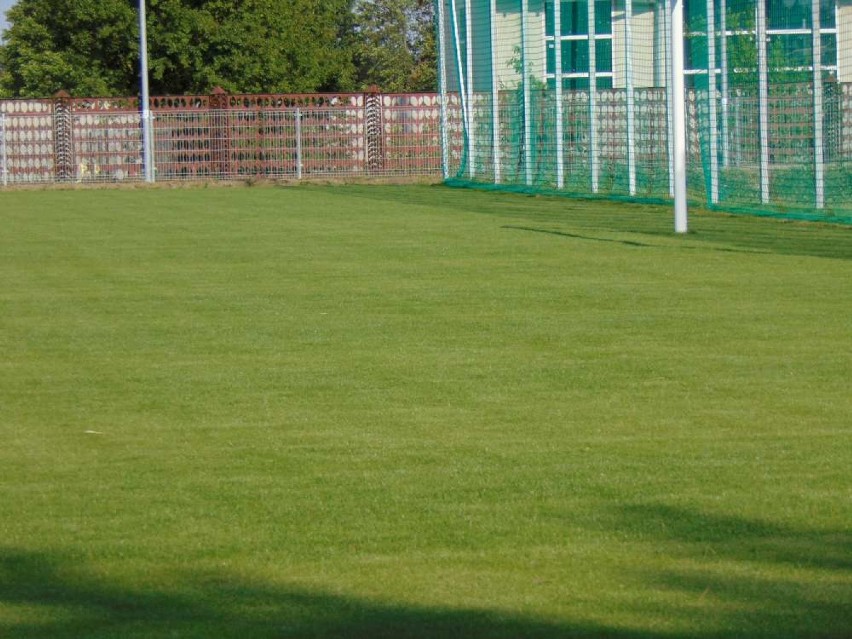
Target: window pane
788	14
575	84
603	16
575	56
603	55
829	50
575	18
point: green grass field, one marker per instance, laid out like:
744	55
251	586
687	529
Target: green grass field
387	412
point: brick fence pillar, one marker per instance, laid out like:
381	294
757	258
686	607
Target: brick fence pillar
63	137
373	130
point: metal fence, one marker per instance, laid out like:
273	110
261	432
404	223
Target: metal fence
221	137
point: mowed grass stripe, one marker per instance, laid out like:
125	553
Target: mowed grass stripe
414	411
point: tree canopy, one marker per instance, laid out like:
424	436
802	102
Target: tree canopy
90	47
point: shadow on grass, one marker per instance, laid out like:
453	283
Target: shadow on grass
59	599
753	578
576	236
579	217
723	576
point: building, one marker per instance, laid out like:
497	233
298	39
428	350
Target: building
768	83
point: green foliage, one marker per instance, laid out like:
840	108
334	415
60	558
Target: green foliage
82	45
90	47
394	44
257	46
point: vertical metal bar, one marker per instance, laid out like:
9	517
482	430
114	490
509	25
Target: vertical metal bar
495	97
819	121
723	53
4	155
593	102
298	143
631	104
678	116
667	19
468	41
460	71
763	99
660	35
525	78
711	98
839	41
557	76
147	138
442	88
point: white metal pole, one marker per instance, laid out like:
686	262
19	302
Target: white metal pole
442	88
525	78
147	136
495	97
819	124
667	18
763	99
631	105
840	43
711	98
468	41
593	101
661	33
678	116
4	156
298	143
557	77
723	53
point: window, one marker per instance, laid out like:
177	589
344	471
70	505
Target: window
573	40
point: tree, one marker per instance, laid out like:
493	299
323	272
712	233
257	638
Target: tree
256	46
90	47
83	45
394	44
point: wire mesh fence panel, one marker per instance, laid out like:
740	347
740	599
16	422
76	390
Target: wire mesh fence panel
107	147
185	146
4	157
410	136
230	137
28	141
578	96
560	95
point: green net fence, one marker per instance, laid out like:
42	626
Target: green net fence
575	96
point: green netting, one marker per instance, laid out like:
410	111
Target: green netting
575	97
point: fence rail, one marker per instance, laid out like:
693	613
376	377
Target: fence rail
226	137
221	137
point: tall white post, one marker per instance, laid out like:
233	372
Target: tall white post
557	78
495	98
711	98
678	117
819	123
763	99
594	151
525	77
468	41
147	134
4	156
442	88
723	53
298	143
631	104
